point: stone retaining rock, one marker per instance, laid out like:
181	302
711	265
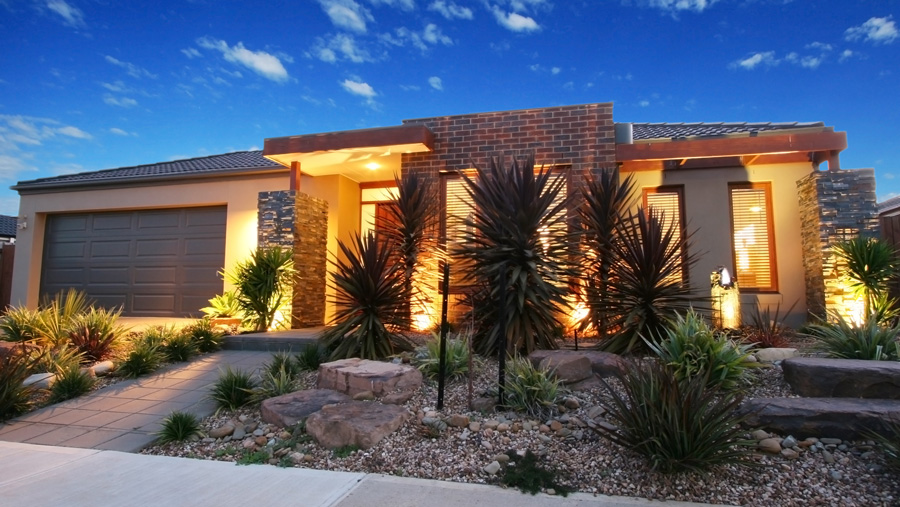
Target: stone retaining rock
846	418
773	354
568	366
353	376
360	423
289	409
817	377
603	364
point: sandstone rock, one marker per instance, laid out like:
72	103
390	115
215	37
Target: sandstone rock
398	398
502	458
475	427
492	468
222	431
358	423
239	433
572	403
458	421
484	404
759	435
790	454
260	441
567	366
847	418
289	409
605	364
40	380
770	445
817	377
775	354
364	396
102	368
352	376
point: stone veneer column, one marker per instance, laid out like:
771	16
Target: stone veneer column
834	206
295	220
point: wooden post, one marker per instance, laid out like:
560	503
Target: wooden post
295	175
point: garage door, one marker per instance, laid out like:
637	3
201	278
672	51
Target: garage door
151	262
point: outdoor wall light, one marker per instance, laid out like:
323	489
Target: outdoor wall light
726	299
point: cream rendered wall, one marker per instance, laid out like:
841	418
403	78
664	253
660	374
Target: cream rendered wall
707	215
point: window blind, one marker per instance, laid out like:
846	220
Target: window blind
752	232
669	201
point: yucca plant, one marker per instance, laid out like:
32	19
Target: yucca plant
869	340
411	228
310	357
520	250
178	427
870	265
19	324
767	329
178	345
676	425
275	382
370	302
53	359
691	349
15	396
96	332
605	203
233	389
226	306
57	314
264	283
70	382
205	336
530	390
456	365
648	288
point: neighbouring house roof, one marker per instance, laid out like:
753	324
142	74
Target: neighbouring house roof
8	226
646	131
235	162
889	205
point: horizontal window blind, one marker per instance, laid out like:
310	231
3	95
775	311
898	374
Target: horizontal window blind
753	234
669	201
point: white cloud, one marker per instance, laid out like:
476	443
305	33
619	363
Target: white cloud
71	15
11	166
347	14
406	5
130	68
450	10
644	103
431	34
875	30
359	88
119	132
191	53
340	46
555	70
679	5
515	21
819	45
73	132
19	134
846	55
265	64
436	83
119	101
766	59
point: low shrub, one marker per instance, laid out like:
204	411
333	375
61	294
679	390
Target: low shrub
282	361
870	340
530	390
19	324
310	357
15	397
144	357
427	358
692	349
205	336
233	389
767	330
225	306
275	383
178	427
96	333
526	474
179	346
57	315
677	425
70	382
51	359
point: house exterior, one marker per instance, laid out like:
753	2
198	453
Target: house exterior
154	238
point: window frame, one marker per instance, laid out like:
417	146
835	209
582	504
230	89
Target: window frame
766	188
678	190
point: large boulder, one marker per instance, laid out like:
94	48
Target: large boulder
353	376
567	366
845	418
817	377
359	423
289	409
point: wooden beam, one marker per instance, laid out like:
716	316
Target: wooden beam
295	175
736	146
365	138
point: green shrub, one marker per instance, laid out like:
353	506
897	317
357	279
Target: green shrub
767	330
870	340
691	349
310	357
530	390
225	306
178	427
870	265
144	357
676	425
19	324
528	476
56	315
457	359
263	285
179	346
70	382
205	336
233	389
96	333
282	361
15	397
275	383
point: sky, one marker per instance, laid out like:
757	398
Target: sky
97	84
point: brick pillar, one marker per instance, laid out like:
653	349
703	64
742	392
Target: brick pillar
834	206
295	220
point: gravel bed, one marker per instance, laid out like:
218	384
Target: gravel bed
844	474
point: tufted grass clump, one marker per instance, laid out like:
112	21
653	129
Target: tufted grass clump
279	376
310	357
457	359
692	349
15	396
205	336
526	474
869	340
233	389
677	425
178	427
96	333
530	390
144	357
70	382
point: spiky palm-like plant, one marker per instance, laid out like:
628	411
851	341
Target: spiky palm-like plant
370	302
517	232
264	283
412	227
648	289
871	263
605	203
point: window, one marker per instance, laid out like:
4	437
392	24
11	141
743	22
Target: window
670	200
753	235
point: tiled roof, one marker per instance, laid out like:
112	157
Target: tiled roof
644	131
8	226
889	205
228	162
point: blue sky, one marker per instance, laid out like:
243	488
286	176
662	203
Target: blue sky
97	84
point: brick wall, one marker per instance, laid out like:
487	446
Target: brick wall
834	206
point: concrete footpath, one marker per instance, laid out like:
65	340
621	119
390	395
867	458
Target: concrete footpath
48	476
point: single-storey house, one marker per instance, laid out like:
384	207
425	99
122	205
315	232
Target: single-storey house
155	237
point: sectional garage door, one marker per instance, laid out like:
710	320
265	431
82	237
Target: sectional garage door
151	262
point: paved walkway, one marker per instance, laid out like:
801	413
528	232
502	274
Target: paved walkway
125	416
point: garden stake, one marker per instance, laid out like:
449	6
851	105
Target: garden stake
576	340
502	379
445	327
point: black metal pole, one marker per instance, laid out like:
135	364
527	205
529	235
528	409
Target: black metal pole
502	318
576	340
445	327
